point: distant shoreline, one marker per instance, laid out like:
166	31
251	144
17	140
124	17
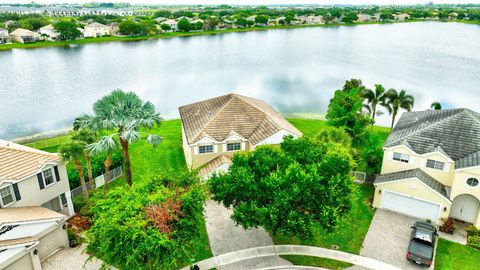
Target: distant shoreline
43	44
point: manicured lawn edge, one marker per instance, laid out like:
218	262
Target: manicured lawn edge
453	256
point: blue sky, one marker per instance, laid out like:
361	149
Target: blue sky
249	2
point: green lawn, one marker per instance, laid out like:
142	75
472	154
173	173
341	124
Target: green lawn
348	236
453	256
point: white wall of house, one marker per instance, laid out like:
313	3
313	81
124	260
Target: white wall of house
276	138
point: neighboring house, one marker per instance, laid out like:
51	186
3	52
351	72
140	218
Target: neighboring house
173	24
214	129
97	30
375	17
159	20
49	32
28	235
431	166
24	36
4	37
314	19
401	17
364	18
276	21
114	28
30	177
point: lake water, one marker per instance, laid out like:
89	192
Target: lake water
294	70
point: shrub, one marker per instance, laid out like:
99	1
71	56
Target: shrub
474	241
78	203
74	239
86	211
472	231
448	225
79	223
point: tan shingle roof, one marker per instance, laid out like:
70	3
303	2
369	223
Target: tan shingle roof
18	161
25	214
96	25
23	32
251	118
213	164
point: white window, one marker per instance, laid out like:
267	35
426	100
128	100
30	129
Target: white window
6	195
233	146
401	157
473	182
435	164
48	177
204	149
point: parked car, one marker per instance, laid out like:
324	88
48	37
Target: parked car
422	243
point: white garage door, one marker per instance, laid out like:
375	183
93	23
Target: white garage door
410	206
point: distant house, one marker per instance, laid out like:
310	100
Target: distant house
172	23
300	20
28	235
215	129
364	18
114	28
48	32
453	16
375	17
314	19
30	177
159	20
276	21
97	30
401	17
4	37
24	36
251	18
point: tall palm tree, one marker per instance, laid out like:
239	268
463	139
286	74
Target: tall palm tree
124	113
436	106
107	145
73	152
374	98
398	100
87	137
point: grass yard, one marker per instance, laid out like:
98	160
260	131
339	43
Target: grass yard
453	256
348	236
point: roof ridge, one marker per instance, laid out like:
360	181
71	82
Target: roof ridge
428	126
35	151
214	117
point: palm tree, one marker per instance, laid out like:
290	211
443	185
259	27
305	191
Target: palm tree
125	113
398	100
374	98
436	106
87	137
73	151
107	145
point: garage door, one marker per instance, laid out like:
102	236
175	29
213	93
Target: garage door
410	206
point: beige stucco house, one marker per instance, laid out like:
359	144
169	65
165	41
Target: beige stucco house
30	177
214	129
97	30
28	235
48	32
24	36
431	166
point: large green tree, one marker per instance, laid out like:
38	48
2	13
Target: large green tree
398	100
130	28
124	113
67	30
346	111
184	25
288	191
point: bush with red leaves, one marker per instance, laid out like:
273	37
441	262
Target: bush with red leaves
164	215
448	225
79	223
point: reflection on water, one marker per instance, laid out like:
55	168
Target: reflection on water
295	70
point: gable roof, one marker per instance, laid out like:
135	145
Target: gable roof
414	173
23	32
455	133
18	161
96	25
214	164
251	118
47	27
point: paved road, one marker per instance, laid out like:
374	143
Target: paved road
388	238
225	236
71	259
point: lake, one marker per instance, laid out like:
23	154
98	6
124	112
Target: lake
295	70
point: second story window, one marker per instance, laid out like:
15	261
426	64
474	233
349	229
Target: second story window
48	177
6	194
233	146
435	164
205	149
401	157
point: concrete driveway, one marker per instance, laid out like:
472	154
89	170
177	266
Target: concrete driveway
224	236
388	238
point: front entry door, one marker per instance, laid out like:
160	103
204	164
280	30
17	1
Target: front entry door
465	207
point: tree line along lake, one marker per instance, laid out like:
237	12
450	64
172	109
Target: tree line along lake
295	70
